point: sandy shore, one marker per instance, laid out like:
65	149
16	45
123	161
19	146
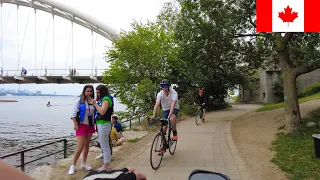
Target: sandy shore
120	154
8	100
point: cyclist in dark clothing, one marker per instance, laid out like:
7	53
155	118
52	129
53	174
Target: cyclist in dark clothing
202	101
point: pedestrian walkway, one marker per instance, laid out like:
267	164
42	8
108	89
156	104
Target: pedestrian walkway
199	147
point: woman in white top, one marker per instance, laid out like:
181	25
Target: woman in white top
83	122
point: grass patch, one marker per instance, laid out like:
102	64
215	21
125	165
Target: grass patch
267	107
134	140
295	151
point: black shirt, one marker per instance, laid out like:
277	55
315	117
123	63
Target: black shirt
120	174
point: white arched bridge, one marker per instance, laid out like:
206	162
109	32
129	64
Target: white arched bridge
29	72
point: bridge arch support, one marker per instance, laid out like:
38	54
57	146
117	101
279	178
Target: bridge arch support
55	7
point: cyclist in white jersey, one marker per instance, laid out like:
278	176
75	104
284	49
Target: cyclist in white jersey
168	98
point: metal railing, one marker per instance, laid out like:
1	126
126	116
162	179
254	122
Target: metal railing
22	152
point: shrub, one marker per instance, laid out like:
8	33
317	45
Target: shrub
236	98
313	89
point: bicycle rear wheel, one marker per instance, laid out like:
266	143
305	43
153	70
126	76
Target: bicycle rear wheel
154	153
197	118
172	143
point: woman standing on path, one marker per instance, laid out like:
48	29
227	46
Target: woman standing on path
83	122
104	108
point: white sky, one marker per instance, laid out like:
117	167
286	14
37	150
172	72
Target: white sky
118	14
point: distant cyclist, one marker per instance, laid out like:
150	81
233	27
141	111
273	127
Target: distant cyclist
168	98
202	102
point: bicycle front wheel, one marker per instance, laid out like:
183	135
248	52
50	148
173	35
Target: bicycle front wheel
155	153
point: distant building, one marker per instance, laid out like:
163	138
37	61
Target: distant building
264	93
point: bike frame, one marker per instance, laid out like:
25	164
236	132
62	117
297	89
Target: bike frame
165	143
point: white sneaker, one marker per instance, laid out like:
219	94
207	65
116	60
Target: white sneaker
104	169
85	166
72	169
100	156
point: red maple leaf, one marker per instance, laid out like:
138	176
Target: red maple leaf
288	15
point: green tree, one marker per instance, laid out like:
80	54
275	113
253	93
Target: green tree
139	59
204	35
232	93
294	53
222	33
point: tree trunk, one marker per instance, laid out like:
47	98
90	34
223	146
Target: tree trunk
289	73
292	110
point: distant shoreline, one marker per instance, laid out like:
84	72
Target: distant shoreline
8	100
34	95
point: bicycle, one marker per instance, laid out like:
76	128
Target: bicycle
164	143
199	113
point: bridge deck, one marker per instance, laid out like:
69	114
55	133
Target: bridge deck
50	79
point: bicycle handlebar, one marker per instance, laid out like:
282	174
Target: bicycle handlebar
199	104
155	119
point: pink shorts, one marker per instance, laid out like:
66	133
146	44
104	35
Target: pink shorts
85	129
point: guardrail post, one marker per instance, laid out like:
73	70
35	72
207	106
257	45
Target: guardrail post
22	161
65	148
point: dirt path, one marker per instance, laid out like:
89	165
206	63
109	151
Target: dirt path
253	134
214	154
199	147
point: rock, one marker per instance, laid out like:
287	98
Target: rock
311	124
41	172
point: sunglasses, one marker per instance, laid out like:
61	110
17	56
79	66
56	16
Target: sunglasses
164	86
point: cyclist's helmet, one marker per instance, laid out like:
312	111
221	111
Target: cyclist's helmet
200	91
165	82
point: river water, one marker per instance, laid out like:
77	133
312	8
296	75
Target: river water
29	122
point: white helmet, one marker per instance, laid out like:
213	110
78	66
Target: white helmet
114	116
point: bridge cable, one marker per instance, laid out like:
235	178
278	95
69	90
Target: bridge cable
1	43
93	50
72	43
35	40
53	41
68	53
18	35
45	43
5	27
24	35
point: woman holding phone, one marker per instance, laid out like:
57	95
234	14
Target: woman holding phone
83	123
104	110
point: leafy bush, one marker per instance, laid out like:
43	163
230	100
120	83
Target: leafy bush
313	89
187	109
295	151
236	98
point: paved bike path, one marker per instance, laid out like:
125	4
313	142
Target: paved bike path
199	147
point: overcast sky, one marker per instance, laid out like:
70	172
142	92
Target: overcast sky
118	14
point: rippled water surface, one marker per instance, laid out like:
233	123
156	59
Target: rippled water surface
29	122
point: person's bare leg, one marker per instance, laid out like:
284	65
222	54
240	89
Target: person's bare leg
173	122
80	145
204	113
164	129
86	147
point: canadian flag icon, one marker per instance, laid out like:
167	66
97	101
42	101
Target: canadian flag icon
287	16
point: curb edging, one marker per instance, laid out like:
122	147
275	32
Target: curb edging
235	153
